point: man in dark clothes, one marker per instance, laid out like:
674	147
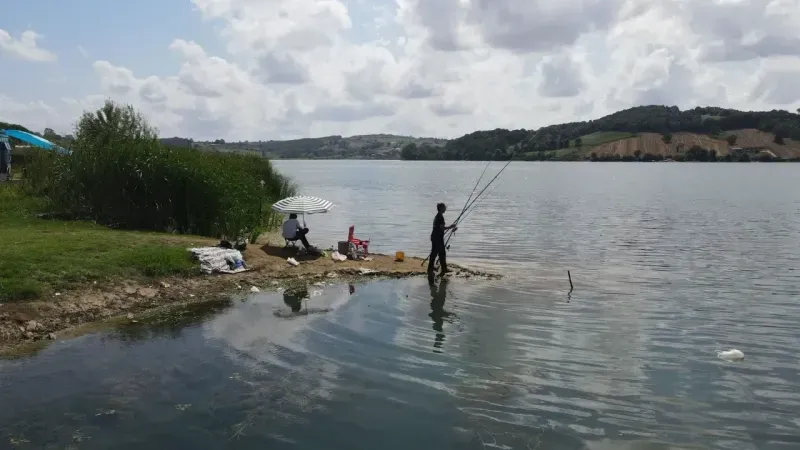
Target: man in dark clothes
437	240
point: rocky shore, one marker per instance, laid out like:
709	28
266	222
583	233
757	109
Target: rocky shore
66	313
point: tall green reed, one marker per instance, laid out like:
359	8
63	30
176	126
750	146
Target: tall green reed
120	175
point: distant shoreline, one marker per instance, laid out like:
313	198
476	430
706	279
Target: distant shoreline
795	160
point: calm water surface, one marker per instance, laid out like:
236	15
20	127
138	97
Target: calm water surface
671	262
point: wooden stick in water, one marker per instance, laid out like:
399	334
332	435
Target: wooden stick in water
570	281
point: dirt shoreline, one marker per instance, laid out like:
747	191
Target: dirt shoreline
65	313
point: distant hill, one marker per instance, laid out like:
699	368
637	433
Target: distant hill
645	132
372	146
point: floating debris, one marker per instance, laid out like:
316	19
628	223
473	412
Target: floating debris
255	290
15	442
730	355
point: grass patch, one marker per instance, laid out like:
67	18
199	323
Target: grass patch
43	256
602	137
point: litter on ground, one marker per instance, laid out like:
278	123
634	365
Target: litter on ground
219	260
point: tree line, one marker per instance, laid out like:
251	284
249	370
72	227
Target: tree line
502	143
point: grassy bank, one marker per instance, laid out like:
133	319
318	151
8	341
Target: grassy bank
42	257
130	206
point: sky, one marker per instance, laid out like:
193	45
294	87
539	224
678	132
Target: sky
283	69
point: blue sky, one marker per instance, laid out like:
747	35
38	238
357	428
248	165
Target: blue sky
131	34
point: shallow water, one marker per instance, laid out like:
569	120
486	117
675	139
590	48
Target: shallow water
671	262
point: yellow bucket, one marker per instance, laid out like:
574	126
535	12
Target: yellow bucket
400	256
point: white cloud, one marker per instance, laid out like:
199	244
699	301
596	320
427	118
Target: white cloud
25	47
447	67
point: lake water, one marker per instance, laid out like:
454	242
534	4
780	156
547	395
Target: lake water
670	262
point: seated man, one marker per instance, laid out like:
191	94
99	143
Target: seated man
293	232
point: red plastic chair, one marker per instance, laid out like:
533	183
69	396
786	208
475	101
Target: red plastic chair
360	244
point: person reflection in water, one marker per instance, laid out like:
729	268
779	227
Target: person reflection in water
438	314
293	301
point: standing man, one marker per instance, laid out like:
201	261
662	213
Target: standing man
437	240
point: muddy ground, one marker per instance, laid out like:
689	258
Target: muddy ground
60	316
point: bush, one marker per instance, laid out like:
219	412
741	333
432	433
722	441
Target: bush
120	175
38	172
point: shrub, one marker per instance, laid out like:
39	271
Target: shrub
120	175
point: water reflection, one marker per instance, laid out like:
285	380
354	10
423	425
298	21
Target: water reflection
171	324
438	313
294	299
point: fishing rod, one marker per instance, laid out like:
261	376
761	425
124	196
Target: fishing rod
484	189
471	207
475	187
466	203
470	204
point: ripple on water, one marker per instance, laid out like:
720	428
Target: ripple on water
667	271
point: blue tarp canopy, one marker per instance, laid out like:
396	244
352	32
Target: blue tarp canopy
34	140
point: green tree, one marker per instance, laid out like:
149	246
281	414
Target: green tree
778	139
667	138
731	139
578	142
637	154
49	134
410	152
119	174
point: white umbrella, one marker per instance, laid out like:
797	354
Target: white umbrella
302	205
